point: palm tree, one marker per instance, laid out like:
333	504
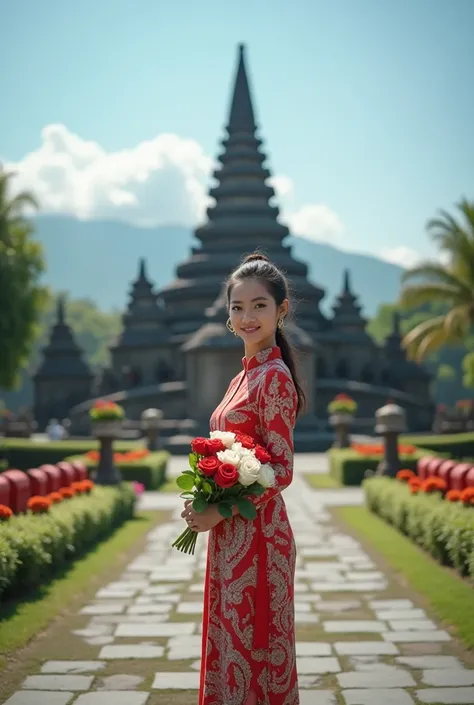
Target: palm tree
448	282
21	265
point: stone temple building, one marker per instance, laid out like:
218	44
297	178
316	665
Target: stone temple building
175	352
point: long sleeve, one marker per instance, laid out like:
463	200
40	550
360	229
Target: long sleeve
277	404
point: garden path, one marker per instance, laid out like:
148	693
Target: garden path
362	638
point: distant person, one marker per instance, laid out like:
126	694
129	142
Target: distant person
54	430
248	635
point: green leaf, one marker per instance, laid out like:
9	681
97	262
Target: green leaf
246	508
199	504
189	472
207	487
234	491
186	495
193	460
225	510
256	490
185	482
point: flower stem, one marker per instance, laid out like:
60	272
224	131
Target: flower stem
186	542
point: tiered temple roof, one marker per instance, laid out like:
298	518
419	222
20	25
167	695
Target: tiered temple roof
347	312
62	356
402	368
144	320
240	221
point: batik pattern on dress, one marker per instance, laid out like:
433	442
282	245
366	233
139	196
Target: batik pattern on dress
248	616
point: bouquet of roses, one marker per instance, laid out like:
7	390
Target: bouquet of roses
225	469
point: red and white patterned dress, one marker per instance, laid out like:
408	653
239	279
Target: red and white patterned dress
248	616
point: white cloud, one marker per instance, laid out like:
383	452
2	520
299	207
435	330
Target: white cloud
401	255
160	181
315	222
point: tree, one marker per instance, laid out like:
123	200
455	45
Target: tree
22	299
449	283
468	369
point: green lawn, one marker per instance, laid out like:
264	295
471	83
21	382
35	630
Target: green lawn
22	620
322	481
451	597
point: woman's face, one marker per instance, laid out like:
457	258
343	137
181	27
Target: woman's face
254	314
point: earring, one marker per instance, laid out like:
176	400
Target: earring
281	323
230	327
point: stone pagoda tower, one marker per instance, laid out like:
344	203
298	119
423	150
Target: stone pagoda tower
241	220
62	379
135	361
402	373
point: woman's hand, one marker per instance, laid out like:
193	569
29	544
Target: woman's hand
202	521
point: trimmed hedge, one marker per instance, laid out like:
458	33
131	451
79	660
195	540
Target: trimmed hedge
443	529
33	547
348	467
456	445
24	454
150	471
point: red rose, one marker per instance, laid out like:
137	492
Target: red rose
262	454
215	445
209	465
247	441
200	446
226	476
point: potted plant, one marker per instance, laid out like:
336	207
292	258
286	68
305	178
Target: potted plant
106	418
341	412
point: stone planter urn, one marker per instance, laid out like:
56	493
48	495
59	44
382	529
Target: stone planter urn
341	423
390	422
151	422
106	422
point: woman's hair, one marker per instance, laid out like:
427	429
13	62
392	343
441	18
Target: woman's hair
258	266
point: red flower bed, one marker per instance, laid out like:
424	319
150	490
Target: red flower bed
405	475
5	512
378	449
39	505
55	497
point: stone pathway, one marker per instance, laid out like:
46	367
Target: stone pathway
360	639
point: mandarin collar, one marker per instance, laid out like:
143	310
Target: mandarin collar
261	357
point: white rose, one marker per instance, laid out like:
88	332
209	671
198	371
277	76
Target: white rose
249	470
229	456
267	476
227	437
241	451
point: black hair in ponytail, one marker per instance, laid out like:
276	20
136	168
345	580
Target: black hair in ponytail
258	266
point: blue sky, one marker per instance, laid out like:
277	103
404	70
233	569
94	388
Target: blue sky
366	105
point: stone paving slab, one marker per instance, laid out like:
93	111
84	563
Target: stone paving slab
360	640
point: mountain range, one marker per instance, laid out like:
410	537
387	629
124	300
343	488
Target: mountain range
99	259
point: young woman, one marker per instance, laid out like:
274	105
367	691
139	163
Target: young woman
248	654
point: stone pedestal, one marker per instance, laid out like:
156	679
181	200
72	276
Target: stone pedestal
341	423
390	422
106	432
151	421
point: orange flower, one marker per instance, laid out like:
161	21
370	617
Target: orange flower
5	512
467	496
414	484
38	504
77	487
87	486
405	475
67	492
453	495
93	455
434	484
55	497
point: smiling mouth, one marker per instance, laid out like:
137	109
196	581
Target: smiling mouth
250	330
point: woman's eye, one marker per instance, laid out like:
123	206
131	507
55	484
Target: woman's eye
235	308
